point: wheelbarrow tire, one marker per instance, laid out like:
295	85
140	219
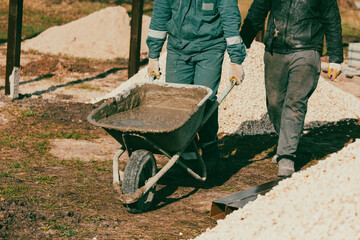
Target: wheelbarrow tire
140	167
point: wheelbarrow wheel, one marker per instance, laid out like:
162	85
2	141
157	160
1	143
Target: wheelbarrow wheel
140	167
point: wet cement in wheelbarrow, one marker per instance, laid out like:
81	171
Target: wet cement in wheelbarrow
160	109
148	118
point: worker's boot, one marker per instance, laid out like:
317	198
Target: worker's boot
189	158
212	161
286	167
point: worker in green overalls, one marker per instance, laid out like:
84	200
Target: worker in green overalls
199	32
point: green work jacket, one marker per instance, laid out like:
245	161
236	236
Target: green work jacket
194	26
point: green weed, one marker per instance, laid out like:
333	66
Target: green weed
5	175
87	87
42	146
6	140
27	113
45	179
15	191
14	165
72	135
66	231
228	188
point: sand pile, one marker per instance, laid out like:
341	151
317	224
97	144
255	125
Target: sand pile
104	34
244	111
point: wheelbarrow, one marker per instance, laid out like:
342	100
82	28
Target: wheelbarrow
150	118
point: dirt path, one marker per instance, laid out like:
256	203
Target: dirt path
56	168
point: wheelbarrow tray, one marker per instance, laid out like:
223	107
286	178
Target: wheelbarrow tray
168	114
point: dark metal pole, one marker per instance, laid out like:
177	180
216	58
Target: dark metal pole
260	36
135	39
13	40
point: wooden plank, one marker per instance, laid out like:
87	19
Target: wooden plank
135	39
13	40
223	206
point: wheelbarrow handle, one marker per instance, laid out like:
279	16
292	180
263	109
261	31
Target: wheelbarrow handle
219	100
152	77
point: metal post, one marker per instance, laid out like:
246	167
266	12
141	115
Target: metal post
135	41
260	36
13	40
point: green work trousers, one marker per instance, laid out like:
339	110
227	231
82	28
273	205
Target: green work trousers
202	69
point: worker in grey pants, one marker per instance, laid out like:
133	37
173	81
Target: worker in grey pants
293	43
289	82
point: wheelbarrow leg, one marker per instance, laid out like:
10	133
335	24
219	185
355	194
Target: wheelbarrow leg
202	166
117	175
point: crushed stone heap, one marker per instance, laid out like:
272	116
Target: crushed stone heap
319	203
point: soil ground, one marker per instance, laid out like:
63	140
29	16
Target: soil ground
56	168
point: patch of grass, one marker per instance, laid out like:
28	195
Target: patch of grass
47	135
100	219
45	179
102	169
87	87
28	113
14	165
15	191
6	140
66	231
70	135
228	188
74	134
5	175
74	163
42	146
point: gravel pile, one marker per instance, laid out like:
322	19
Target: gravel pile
244	111
321	202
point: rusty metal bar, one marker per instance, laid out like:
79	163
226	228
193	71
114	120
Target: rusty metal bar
260	36
224	206
135	39
13	40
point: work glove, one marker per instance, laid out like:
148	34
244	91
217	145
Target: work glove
153	68
334	70
236	73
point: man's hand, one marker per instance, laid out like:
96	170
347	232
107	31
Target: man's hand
237	73
334	70
153	68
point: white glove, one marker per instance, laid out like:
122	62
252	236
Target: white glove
236	73
153	68
334	70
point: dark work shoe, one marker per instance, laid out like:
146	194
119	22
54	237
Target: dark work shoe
211	160
286	167
175	171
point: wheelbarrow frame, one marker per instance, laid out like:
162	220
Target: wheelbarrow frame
118	176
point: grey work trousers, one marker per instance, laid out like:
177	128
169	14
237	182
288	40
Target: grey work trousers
290	79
